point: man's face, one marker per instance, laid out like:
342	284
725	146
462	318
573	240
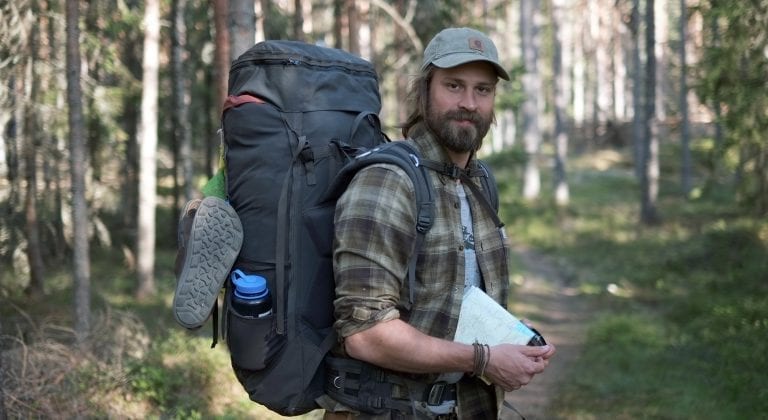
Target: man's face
460	108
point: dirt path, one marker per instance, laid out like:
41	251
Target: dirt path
560	315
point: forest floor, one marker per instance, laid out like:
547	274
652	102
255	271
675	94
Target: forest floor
556	309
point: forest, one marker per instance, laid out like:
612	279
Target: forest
629	150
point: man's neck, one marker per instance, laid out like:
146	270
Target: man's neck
459	159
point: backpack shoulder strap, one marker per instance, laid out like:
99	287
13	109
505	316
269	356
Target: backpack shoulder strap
488	197
405	156
489	184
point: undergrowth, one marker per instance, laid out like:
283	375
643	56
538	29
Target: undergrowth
683	306
137	363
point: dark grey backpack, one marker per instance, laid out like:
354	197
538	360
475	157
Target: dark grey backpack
295	115
300	121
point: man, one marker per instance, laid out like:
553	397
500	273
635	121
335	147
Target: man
413	368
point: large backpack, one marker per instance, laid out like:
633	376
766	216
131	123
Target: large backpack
299	122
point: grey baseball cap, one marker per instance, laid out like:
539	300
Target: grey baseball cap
456	46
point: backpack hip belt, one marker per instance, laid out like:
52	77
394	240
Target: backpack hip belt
370	389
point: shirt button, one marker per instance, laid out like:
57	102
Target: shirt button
456	205
461	247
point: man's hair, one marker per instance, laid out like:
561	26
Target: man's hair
418	99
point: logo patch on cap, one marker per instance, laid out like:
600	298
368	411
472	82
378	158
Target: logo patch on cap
476	44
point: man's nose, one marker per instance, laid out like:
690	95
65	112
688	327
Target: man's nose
468	101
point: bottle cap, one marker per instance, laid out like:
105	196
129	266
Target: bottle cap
249	286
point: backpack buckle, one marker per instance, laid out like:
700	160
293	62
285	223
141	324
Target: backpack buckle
452	171
415	160
306	154
435	396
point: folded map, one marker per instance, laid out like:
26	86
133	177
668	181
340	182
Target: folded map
484	321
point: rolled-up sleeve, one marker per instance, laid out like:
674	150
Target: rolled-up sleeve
374	237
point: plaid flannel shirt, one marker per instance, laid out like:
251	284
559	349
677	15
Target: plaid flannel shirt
375	236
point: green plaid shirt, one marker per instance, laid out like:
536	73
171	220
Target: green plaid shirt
375	236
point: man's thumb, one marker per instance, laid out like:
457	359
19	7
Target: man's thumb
536	351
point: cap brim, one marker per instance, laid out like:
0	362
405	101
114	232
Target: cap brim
458	59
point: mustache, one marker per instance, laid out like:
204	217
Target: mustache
463	115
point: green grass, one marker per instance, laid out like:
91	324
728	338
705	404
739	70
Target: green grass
684	305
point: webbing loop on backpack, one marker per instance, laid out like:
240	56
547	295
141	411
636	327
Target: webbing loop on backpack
307	157
215	319
373	117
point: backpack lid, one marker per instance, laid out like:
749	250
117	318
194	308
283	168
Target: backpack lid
299	77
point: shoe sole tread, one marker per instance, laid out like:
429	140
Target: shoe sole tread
213	246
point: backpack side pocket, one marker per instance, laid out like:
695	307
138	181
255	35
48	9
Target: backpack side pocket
252	342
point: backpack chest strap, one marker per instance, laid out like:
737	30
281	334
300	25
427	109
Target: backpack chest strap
465	175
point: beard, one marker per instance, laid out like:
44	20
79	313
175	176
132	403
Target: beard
459	139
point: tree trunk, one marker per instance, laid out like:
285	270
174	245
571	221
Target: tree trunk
365	30
77	149
637	84
298	20
371	21
661	25
3	411
401	80
505	131
242	25
131	121
10	217
716	104
649	182
562	195
338	23
148	151
130	178
602	82
31	141
685	169
221	76
619	67
532	88
51	144
353	30
579	77
181	141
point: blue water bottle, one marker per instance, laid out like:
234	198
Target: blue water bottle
251	296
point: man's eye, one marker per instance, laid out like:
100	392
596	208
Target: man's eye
452	86
484	90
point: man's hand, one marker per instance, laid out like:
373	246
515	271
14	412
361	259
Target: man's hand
512	366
